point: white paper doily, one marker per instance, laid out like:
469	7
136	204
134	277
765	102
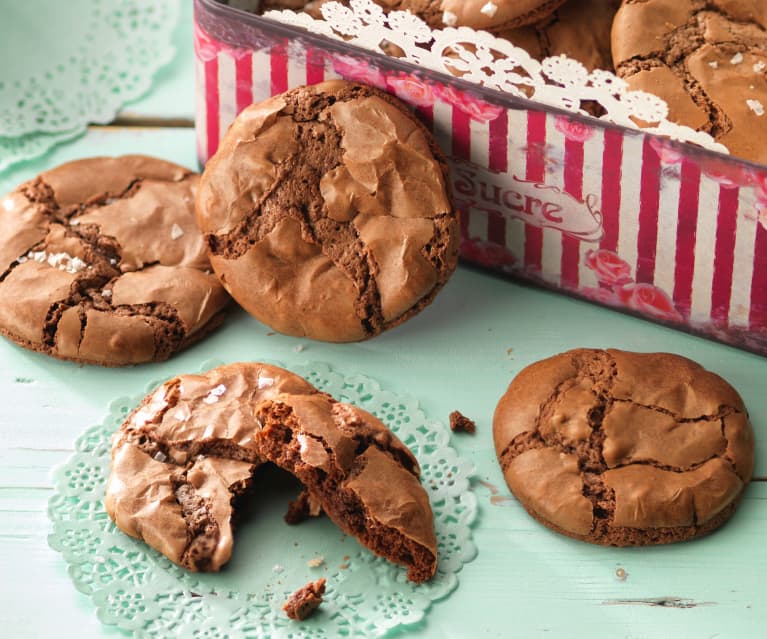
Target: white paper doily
141	592
495	63
68	64
30	146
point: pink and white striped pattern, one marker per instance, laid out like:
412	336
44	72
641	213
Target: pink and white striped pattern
690	238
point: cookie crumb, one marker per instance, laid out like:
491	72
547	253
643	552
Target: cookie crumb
304	601
298	348
304	506
621	574
737	58
316	562
756	106
459	423
277	569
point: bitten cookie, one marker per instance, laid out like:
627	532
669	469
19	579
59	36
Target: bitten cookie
624	449
186	455
101	262
708	61
495	15
327	212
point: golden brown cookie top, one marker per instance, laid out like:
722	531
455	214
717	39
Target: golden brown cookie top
606	445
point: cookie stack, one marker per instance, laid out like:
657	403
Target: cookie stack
707	61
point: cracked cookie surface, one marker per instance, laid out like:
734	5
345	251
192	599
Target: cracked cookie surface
101	262
186	455
579	30
624	449
327	212
706	58
496	15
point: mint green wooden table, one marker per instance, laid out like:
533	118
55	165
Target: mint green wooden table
458	354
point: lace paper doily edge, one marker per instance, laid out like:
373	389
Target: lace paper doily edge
115	415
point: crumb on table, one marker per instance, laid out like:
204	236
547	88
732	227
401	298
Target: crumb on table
461	423
304	601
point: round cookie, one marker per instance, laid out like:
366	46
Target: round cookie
580	29
624	449
491	15
327	212
708	61
101	262
185	457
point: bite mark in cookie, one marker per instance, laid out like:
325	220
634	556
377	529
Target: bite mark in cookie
187	454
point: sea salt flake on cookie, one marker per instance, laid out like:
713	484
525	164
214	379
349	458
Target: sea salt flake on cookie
215	394
490	9
756	106
449	18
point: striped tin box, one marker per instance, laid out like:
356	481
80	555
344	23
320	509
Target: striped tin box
667	231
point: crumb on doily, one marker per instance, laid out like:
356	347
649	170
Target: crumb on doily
304	601
459	423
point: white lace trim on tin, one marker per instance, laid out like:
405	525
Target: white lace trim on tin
495	63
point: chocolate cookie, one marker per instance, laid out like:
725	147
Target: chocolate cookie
579	29
327	212
101	261
186	454
495	15
708	61
624	449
